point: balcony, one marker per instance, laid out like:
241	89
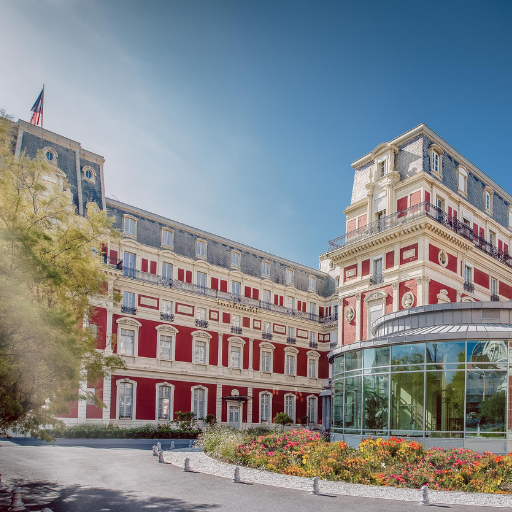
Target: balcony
495	298
168	317
411	214
266	335
236	330
376	279
291	341
201	323
313	344
154	279
129	310
328	319
469	286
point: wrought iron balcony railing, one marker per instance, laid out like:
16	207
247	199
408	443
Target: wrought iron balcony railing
168	317
236	330
376	279
128	309
469	286
313	344
146	277
266	335
291	341
415	212
201	323
495	298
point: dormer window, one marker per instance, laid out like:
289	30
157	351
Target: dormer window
235	259
167	237
382	169
463	181
265	269
50	155
289	276
201	249
129	226
312	283
89	174
436	164
488	193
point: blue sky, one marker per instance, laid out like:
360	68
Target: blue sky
243	117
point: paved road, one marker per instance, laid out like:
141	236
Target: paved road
82	479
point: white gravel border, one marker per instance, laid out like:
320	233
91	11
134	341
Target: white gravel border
201	463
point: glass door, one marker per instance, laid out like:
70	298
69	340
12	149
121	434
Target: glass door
234	416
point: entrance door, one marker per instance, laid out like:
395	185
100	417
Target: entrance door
234	416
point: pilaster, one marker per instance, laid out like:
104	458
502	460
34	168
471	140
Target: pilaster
359	318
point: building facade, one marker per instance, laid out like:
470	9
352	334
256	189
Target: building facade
205	324
425	227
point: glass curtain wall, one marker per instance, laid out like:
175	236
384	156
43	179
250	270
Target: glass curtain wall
435	389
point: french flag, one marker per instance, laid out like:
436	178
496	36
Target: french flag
37	110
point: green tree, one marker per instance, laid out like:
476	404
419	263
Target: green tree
50	268
281	418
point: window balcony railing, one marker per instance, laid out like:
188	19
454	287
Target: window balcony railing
266	335
495	298
201	323
236	330
413	213
146	277
313	344
291	341
128	309
376	279
168	317
469	286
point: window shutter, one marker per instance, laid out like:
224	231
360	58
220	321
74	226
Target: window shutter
427	196
152	268
276	299
506	248
255	294
248	291
475	228
113	256
226	318
320	311
223	285
181	274
500	246
246	322
449	212
303	307
482	233
144	265
215	283
189	276
455	214
281	300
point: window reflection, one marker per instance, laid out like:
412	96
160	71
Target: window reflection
353	394
407	401
412	353
376	399
446	352
483	353
444	408
375	357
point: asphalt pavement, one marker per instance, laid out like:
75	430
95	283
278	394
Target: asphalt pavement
90	479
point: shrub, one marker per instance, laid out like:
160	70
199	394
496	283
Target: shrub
222	442
283	419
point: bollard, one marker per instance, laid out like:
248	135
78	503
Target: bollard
155	451
190	443
16	503
186	465
2	486
161	456
159	446
316	487
236	476
172	445
424	496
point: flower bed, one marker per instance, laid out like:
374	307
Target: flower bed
387	462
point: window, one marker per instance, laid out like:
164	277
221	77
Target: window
201	317
382	169
266	327
267	297
377	267
236	320
492	237
235	259
199	402
236	353
167	271
89	174
463	180
290	364
488	200
235	288
125	400
494	286
312	283
128	303
436	159
201	280
289	276
312	308
290	303
376	311
49	156
201	249
312	369
91	393
126	342
165	347
291	333
335	309
164	403
265	407
266	361
338	282
312	338
167	238
265	269
166	306
467	274
289	406
129	264
200	352
129	226
312	408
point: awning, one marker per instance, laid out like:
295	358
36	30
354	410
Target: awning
325	392
238	398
